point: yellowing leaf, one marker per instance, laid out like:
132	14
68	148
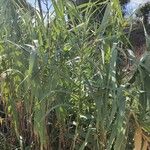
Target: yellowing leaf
1	120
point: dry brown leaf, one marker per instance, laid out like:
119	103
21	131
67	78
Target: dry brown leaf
138	139
145	145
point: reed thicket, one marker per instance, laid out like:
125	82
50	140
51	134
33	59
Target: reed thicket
61	83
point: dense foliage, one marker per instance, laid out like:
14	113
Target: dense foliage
65	79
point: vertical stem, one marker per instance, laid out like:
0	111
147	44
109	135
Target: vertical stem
40	8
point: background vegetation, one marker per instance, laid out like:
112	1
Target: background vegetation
72	80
